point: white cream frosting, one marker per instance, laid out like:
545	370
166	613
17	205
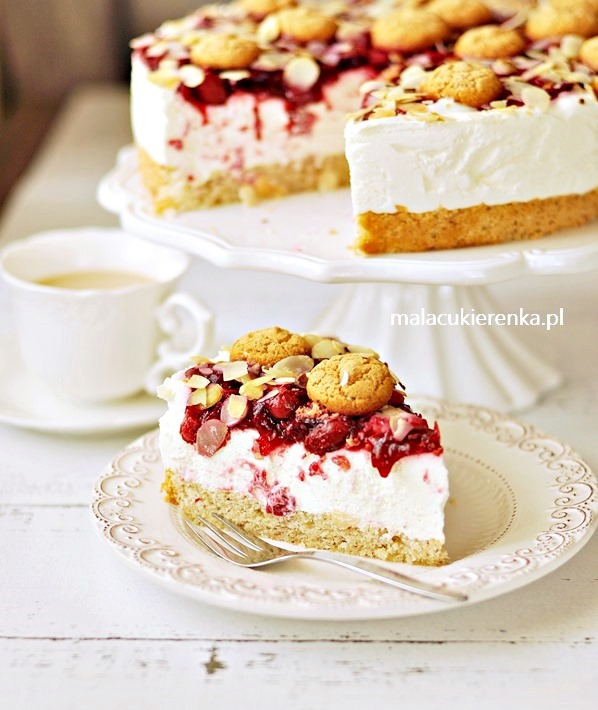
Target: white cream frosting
473	157
410	500
227	141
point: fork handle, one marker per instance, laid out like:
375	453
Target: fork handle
383	574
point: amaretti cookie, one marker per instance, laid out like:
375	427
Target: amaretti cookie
317	448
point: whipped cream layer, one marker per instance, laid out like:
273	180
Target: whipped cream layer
474	157
243	133
410	501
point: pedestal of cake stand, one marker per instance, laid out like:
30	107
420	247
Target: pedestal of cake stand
485	365
307	235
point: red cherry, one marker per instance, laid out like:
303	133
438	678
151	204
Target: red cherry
329	435
284	404
212	90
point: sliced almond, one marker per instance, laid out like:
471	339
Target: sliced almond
213	394
222	356
168	65
362	350
312	338
254	389
545	69
236	405
344	378
515	86
503	67
414	108
372	85
400	427
235	74
191	75
173	28
285	380
144	41
268	30
259	381
383	113
198	397
517	20
327	348
570	46
534	97
271	61
198	382
163	79
301	73
158	49
292	366
359	115
200	360
412	77
251	391
348	31
232	370
234	410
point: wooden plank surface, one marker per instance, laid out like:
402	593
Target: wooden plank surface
206	674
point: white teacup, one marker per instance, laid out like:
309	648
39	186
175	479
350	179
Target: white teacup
101	342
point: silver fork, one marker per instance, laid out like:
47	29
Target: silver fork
248	550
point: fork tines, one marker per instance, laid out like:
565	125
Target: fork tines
238	547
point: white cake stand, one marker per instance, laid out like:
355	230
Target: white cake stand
309	236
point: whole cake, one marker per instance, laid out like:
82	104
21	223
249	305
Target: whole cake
306	440
471	122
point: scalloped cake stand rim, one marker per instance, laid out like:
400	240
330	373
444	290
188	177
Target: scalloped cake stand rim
317	229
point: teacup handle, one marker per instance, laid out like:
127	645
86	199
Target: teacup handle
171	358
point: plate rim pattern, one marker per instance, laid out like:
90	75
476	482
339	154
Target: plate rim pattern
568	524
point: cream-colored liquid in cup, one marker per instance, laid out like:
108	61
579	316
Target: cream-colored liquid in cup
82	280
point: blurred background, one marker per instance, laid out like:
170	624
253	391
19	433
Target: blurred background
49	47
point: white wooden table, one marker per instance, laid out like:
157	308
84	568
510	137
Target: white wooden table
78	629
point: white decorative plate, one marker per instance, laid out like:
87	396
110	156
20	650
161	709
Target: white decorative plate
309	235
521	505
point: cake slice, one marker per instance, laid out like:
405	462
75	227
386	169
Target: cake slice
489	138
308	441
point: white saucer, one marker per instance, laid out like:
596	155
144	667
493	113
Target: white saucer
25	402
